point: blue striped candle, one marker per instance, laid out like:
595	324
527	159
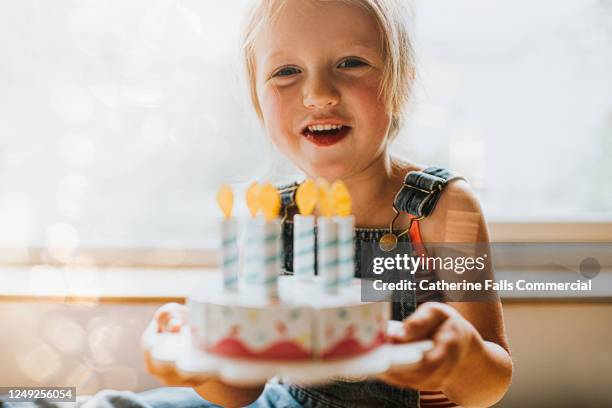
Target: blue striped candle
229	254
304	246
272	258
327	254
253	249
262	256
346	249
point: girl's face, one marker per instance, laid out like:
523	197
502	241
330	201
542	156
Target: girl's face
318	72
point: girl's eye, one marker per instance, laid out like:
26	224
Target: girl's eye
352	63
286	71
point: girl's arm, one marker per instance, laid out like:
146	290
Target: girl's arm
470	362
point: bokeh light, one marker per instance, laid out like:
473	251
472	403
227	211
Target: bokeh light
62	241
104	340
38	361
63	334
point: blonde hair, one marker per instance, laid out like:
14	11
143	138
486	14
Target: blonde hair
397	52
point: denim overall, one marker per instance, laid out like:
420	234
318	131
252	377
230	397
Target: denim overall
418	197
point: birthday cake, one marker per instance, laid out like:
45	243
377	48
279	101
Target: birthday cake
252	312
302	324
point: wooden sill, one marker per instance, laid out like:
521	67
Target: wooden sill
144	285
551	231
165	258
92	285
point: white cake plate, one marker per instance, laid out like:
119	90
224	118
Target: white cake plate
176	349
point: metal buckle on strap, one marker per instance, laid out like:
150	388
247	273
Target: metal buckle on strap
388	242
292	189
428	192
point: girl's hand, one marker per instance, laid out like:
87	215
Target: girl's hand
454	339
170	318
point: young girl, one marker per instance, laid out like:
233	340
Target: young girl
329	80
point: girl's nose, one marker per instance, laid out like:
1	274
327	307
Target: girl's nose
320	94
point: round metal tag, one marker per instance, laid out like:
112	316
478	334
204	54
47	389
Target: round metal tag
388	242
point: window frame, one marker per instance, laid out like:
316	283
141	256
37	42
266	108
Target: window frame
206	257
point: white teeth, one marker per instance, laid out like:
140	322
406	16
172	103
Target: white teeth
319	128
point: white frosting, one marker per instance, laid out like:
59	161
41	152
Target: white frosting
292	292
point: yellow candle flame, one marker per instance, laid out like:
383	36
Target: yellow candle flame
324	202
252	198
341	198
270	201
225	199
306	197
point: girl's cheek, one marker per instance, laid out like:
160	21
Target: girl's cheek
276	113
271	108
367	89
370	107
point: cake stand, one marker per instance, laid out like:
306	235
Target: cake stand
177	350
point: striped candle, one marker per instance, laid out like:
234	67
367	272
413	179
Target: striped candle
253	249
327	253
272	258
304	246
229	254
346	249
262	256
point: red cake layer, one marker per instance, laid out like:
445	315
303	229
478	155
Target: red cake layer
350	347
286	350
282	350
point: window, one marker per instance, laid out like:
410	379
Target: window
118	120
516	96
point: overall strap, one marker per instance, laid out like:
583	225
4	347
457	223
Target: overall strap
287	196
421	191
418	197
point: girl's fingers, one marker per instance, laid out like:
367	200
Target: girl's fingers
167	373
424	322
448	342
438	363
170	317
451	336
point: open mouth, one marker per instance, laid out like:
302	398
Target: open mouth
325	135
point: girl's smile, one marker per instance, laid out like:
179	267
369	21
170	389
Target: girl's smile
325	131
